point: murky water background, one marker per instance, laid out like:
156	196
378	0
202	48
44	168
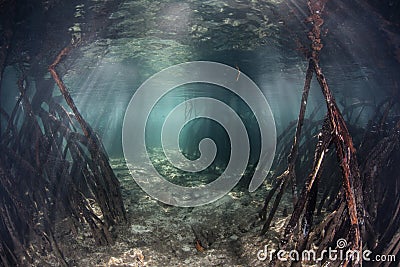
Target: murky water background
254	36
260	38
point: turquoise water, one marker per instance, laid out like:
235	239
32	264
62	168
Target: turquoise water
259	38
358	57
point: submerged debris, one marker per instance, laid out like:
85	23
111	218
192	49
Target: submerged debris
130	258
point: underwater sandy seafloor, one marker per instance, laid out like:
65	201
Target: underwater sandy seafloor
160	235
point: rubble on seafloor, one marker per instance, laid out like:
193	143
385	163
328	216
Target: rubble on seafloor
223	233
131	258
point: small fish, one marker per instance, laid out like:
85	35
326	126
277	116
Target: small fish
237	77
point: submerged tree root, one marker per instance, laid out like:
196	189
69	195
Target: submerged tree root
53	167
359	191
